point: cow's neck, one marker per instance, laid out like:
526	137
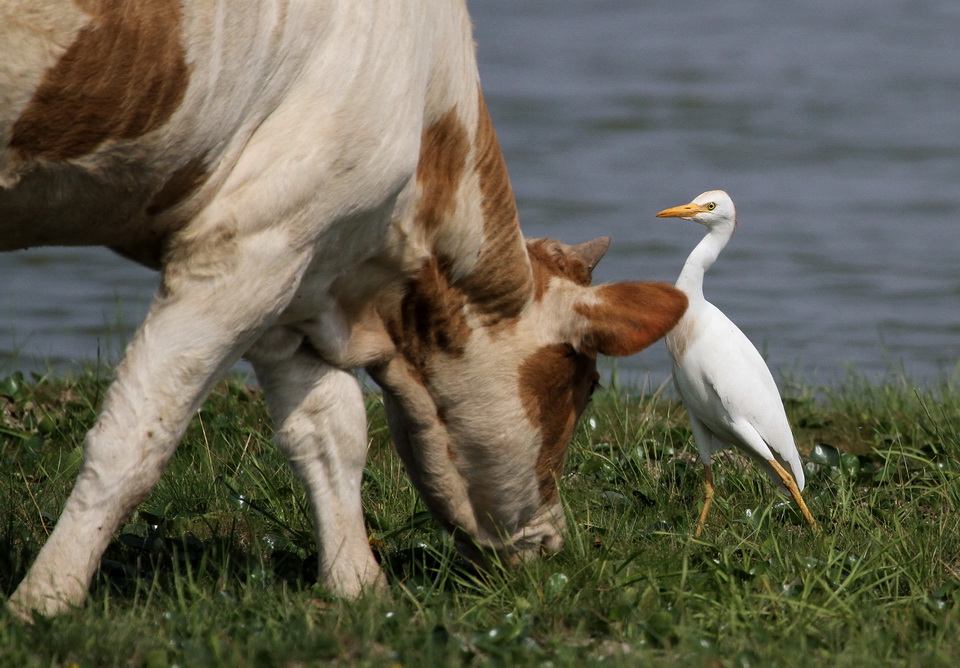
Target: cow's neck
501	283
456	259
468	215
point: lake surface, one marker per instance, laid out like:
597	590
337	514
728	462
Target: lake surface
833	124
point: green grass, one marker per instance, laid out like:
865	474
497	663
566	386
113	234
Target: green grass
217	566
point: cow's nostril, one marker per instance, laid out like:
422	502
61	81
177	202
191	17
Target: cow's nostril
551	543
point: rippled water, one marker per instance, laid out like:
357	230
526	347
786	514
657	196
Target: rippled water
834	124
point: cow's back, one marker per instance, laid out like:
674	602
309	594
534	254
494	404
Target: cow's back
119	122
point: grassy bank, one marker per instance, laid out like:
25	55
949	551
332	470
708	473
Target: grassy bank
217	567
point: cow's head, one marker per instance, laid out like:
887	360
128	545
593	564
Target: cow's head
486	386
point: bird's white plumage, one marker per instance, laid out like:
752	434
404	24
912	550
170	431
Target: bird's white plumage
725	385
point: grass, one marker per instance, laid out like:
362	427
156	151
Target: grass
217	566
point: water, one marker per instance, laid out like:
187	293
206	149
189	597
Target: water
834	124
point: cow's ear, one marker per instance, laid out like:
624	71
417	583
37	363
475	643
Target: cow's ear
624	318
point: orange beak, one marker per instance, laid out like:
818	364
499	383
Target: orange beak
683	211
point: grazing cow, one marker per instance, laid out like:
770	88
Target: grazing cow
321	189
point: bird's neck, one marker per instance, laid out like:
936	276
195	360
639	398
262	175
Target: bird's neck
702	258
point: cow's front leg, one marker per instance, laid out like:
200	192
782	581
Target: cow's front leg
203	318
321	428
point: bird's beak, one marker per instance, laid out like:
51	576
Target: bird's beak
683	211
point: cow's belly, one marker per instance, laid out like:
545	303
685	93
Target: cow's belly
65	206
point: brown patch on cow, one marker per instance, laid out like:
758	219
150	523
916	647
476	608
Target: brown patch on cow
431	319
500	285
555	387
123	76
180	186
551	258
628	317
443	158
499	204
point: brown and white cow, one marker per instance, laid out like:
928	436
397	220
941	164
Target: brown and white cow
321	189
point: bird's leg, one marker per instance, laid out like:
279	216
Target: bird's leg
791	485
707	498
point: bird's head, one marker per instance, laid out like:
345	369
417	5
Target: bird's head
713	208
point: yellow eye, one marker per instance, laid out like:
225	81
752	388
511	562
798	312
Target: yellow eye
711	206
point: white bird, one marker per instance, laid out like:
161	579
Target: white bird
725	385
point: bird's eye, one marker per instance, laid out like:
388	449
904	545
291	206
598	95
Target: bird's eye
711	206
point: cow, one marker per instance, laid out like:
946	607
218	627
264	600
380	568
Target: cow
321	190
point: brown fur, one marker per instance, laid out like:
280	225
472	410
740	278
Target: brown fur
500	285
431	319
631	316
555	386
432	315
443	158
123	76
549	259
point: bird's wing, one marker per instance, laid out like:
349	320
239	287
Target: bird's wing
707	441
723	379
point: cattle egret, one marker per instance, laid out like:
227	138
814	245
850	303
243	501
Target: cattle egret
725	385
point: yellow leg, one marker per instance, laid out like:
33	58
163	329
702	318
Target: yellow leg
791	485
707	498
